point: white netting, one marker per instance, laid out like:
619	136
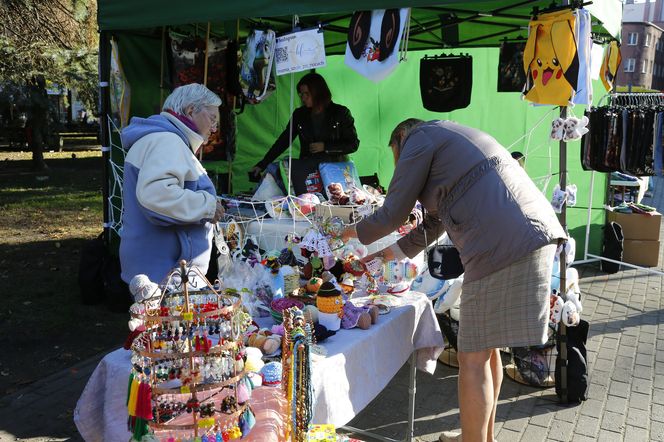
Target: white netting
533	150
116	172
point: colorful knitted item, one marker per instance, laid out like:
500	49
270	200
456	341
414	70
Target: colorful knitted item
271	373
329	298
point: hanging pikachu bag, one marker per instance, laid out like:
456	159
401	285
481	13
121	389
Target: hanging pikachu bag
610	64
550	59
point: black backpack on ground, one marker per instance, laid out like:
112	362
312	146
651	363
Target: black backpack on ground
99	278
612	247
116	291
577	363
449	327
90	267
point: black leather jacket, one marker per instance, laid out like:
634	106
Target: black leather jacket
338	135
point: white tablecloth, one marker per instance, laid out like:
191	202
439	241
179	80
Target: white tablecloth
358	366
360	363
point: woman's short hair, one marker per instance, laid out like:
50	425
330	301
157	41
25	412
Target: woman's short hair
320	92
194	94
402	130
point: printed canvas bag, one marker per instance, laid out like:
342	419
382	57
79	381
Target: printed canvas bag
372	49
609	69
256	77
550	59
446	82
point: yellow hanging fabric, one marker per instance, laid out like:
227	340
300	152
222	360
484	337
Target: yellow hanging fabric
610	64
550	59
133	398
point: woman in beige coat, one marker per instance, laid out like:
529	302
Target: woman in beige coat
506	233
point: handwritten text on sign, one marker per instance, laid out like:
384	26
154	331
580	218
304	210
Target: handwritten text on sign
300	51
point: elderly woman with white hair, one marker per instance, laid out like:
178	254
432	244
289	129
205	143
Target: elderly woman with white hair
169	201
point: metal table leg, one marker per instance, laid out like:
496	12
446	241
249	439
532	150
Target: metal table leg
410	432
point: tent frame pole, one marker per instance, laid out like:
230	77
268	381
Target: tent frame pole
562	329
105	136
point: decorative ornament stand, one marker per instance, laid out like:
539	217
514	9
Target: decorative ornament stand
188	378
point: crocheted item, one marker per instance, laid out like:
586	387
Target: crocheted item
355	316
142	288
271	373
329	299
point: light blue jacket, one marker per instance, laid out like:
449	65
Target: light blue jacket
168	199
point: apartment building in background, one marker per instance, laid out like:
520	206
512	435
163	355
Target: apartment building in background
642	45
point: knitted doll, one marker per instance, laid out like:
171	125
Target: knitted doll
358	316
330	306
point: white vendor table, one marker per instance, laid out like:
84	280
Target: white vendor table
357	367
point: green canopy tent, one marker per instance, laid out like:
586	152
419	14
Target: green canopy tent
139	29
476	27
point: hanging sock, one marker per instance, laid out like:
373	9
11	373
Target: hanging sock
558	199
584	88
575	128
557	129
571	195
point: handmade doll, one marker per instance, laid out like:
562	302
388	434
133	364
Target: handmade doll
358	316
264	340
330	306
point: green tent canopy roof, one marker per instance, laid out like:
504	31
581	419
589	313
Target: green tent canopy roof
479	23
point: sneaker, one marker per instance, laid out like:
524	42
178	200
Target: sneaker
449	436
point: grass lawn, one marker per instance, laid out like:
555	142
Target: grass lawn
45	219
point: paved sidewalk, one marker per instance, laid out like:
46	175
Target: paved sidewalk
626	363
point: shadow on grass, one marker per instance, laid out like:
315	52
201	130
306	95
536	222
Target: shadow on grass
44	327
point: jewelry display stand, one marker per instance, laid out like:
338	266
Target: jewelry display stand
188	376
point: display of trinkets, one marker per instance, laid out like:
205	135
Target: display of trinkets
296	372
188	373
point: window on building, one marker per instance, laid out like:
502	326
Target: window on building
647	42
630	65
644	66
633	39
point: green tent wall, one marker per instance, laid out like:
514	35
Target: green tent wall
376	107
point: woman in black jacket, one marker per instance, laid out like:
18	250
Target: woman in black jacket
326	129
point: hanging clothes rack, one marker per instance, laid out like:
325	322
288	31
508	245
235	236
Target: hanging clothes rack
627	99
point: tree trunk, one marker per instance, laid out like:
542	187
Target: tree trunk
37	127
38	120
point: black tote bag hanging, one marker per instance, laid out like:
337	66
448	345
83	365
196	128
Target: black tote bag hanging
443	260
446	82
511	76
